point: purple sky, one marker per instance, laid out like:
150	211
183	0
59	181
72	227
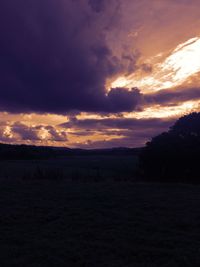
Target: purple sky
96	73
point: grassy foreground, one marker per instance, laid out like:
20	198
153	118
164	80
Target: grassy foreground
60	223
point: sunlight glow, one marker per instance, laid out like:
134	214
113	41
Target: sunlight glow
158	111
180	64
7	132
44	134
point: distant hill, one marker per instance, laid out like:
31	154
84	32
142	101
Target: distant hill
15	152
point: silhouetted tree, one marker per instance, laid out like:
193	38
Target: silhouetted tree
174	155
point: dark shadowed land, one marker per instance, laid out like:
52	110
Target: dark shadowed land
48	163
50	223
77	208
89	211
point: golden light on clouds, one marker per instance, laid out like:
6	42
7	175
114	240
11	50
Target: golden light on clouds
170	69
7	132
158	111
180	64
69	87
33	118
43	134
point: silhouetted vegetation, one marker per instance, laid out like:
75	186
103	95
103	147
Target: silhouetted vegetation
174	155
23	152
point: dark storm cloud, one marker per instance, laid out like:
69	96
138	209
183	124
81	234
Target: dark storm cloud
55	58
121	99
118	123
172	96
97	5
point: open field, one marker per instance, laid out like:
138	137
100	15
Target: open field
66	223
84	168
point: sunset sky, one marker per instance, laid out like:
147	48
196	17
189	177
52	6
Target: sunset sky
96	73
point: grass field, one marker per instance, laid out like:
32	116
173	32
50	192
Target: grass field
73	223
84	168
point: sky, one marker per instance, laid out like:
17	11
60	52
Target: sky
96	73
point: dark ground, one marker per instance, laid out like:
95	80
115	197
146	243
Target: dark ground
84	168
89	223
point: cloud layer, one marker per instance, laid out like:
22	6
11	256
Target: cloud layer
55	56
58	56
